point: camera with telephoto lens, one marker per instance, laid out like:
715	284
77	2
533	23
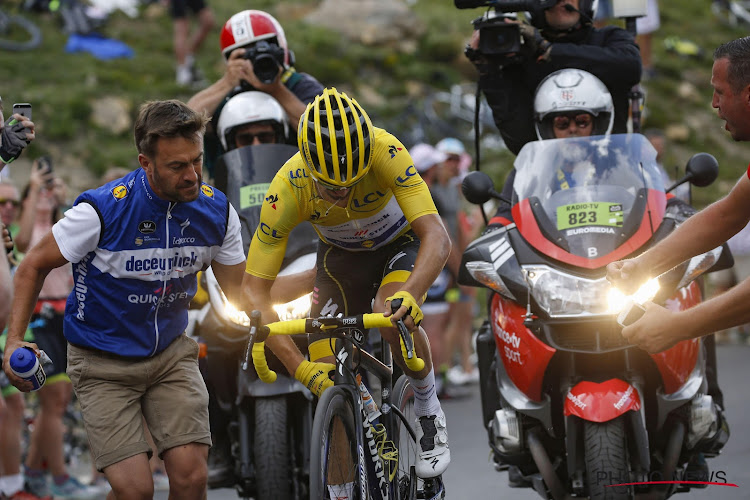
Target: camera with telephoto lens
267	58
498	38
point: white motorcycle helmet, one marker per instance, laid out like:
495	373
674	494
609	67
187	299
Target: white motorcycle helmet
247	108
568	90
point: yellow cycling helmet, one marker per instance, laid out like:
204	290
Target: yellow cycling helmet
335	138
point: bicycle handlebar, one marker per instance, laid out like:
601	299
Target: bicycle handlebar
321	325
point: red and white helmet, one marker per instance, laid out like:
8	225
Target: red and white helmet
250	26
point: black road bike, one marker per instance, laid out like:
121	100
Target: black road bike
377	456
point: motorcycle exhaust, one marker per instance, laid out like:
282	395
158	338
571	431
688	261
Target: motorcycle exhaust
703	419
546	469
506	431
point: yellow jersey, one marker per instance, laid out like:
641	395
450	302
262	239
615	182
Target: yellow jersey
380	207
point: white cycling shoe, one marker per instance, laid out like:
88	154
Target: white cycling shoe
432	437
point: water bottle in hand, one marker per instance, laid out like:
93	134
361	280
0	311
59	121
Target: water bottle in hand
25	364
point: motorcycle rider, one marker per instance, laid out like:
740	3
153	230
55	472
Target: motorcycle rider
244	31
559	37
568	103
249	118
252	118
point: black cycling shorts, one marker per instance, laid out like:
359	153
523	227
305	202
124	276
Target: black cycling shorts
178	8
347	281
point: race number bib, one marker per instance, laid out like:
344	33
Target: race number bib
253	195
589	214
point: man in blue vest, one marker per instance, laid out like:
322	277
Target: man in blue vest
136	244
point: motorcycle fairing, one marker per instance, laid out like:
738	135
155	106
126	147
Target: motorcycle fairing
601	402
244	174
586	201
524	356
494	247
677	363
530	229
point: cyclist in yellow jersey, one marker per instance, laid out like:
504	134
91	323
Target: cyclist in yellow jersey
358	186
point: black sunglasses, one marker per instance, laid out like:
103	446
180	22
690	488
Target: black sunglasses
582	120
15	203
246	138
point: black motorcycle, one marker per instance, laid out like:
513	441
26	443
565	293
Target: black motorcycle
261	432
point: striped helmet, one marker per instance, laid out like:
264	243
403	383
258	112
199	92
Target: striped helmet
335	138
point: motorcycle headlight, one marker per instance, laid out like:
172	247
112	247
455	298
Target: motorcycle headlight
565	295
486	274
235	315
296	309
617	299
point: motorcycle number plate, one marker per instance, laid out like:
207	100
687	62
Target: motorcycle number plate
589	214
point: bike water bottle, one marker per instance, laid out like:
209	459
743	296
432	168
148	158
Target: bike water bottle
25	364
371	409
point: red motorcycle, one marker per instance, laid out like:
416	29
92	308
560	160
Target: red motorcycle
571	409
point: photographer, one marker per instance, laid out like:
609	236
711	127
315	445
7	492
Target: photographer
258	58
561	35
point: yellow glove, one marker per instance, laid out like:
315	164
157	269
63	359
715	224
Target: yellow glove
412	309
315	376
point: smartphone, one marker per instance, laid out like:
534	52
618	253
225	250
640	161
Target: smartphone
631	313
22	108
46	163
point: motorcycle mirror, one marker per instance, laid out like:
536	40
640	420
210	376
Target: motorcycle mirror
701	170
478	188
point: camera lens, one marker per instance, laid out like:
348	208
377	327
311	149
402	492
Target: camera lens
265	67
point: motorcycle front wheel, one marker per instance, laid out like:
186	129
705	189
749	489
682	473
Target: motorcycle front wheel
606	459
272	453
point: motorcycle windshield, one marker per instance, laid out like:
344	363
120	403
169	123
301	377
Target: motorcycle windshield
244	175
582	199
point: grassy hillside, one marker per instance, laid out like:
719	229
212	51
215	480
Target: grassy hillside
63	87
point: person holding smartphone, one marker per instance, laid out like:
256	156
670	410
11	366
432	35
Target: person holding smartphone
16	133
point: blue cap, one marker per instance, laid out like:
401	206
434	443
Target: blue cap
22	360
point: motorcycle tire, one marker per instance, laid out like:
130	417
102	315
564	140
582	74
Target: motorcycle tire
606	457
334	457
272	454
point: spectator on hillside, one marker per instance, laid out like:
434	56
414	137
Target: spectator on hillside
186	46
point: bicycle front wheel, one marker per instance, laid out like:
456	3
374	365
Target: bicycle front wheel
334	457
403	399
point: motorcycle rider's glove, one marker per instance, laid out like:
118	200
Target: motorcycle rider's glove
13	139
412	309
536	44
315	376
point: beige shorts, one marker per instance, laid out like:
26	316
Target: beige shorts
115	393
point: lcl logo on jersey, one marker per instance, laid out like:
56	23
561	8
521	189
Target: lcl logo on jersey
298	177
267	234
392	149
409	178
365	203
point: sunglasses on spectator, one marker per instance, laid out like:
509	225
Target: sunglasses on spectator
582	120
15	203
246	138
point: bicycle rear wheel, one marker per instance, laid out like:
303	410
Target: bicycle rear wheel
18	34
334	457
